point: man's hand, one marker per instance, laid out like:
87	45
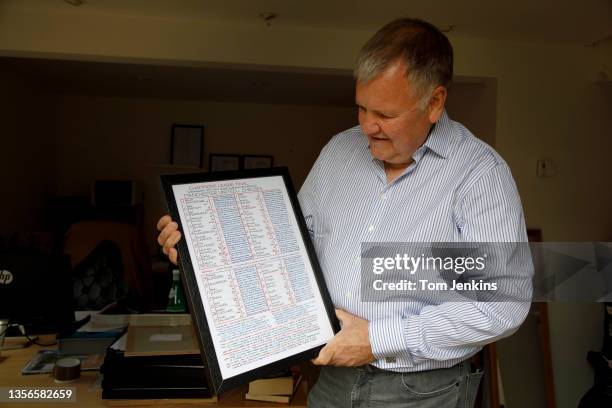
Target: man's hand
350	347
168	237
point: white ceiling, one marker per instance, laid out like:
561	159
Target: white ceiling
584	21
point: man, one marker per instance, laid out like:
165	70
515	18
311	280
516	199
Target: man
407	173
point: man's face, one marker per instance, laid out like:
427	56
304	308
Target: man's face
390	116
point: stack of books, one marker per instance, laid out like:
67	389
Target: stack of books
277	389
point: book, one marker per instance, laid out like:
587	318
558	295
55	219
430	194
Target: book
268	398
272	386
279	389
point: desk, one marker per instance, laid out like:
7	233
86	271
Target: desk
88	391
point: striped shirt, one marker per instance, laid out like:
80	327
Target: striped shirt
457	189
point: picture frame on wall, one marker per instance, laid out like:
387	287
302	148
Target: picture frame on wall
257	161
187	145
223	162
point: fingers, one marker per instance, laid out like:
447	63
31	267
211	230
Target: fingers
173	255
168	237
163	221
171	241
169	229
324	357
342	315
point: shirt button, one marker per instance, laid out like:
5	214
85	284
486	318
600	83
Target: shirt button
371	228
349	295
383	196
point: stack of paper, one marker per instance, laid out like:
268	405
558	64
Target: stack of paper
163	334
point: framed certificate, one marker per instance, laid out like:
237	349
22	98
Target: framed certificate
254	286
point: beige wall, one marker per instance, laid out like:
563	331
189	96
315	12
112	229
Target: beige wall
473	103
549	106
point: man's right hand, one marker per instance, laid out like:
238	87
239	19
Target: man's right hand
169	235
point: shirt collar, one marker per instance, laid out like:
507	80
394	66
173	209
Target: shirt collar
439	138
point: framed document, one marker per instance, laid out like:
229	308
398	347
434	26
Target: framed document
223	162
254	286
257	162
187	147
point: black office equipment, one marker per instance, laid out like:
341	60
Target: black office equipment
36	292
150	377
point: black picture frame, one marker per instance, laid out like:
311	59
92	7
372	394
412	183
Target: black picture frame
190	283
224	162
187	145
250	161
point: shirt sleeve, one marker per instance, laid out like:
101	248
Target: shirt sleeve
308	196
490	212
311	192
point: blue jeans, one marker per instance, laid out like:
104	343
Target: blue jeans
371	387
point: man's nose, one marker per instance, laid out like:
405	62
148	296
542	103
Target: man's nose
369	125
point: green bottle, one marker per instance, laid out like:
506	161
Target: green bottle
176	299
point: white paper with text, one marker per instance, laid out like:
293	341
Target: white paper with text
256	283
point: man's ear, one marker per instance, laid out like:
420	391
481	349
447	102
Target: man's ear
436	103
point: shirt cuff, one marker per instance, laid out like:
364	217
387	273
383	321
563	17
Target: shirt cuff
387	339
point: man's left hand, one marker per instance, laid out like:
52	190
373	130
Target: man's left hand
350	347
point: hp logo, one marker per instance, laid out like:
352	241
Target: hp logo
6	277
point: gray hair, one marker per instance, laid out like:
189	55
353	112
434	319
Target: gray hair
423	48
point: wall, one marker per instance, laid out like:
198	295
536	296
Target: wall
473	102
129	138
27	155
